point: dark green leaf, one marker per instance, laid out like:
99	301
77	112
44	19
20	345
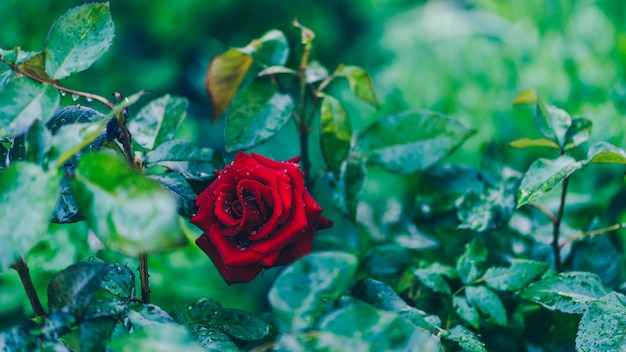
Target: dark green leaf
203	310
223	78
57	324
36	67
119	280
77	39
23	101
110	307
69	115
257	114
360	83
158	337
212	339
240	324
17	339
466	339
570	292
37	143
271	49
143	316
335	133
181	191
412	141
349	186
189	159
157	122
24	189
487	302
521	273
578	133
603	152
466	311
95	334
298	294
387	260
469	266
320	341
544	175
603	325
529	143
129	212
384	330
72	289
491	209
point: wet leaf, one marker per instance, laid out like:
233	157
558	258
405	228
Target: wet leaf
603	152
335	133
603	325
487	302
543	176
223	78
157	122
360	83
521	273
22	101
72	289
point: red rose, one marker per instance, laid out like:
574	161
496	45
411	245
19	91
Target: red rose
256	214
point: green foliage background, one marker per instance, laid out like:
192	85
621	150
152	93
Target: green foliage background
467	59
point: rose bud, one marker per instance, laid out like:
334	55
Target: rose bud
256	214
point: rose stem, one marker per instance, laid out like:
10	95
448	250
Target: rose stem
22	270
304	124
125	139
557	226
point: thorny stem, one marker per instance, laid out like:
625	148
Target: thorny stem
593	233
303	122
143	277
22	270
557	227
54	84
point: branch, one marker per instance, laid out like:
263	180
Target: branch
557	227
593	233
22	270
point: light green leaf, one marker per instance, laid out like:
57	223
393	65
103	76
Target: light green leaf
211	339
240	324
335	133
487	303
543	176
603	325
432	278
528	143
22	101
491	209
119	280
412	141
553	122
157	122
469	266
25	189
315	72
521	273
579	132
274	70
570	292
466	339
77	39
360	83
603	152
466	311
299	294
158	337
271	49
188	159
128	212
257	114
223	78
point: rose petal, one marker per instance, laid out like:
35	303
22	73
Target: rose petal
224	207
231	274
269	260
204	217
292	170
297	249
325	223
230	253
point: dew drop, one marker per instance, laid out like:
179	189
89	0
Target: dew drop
89	100
62	93
74	97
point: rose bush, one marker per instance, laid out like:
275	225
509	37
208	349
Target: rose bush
256	214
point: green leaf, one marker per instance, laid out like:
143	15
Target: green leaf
412	141
360	83
160	337
469	266
223	78
17	339
38	142
271	49
22	101
95	334
274	70
603	325
36	67
24	189
487	303
181	191
553	122
128	212
433	277
320	341
119	280
466	311
521	273
491	209
77	39
72	289
240	324
212	339
157	122
315	72
203	310
386	331
257	114
335	133
145	316
578	133
603	152
74	114
189	159
348	187
543	176
466	339
529	143
570	292
110	307
57	324
298	295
